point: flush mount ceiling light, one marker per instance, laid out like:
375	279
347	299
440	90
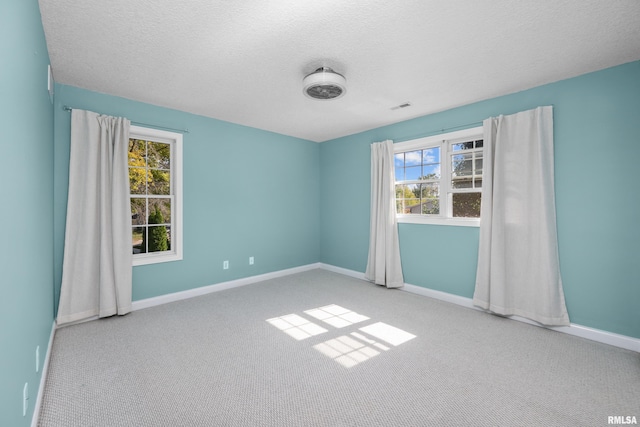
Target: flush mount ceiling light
324	83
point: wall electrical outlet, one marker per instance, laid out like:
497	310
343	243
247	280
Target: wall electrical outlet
250	260
225	265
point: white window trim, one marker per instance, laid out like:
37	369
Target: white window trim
175	139
437	141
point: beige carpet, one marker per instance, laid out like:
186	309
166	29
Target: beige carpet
321	349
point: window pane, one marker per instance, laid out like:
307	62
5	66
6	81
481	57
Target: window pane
462	146
478	164
429	190
137	240
431	156
413	191
431	207
138	211
466	205
137	180
462	164
407	197
401	190
462	182
431	172
159	182
479	143
408	206
159	155
161	210
429	202
478	182
398	160
413	173
399	206
169	237
413	158
412	206
158	239
136	152
403	206
399	174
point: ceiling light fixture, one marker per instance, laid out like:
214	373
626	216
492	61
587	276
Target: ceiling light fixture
324	83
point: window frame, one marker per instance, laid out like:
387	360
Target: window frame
175	140
443	141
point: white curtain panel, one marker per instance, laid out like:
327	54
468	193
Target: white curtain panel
383	265
518	269
96	276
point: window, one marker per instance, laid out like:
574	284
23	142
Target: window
439	178
155	187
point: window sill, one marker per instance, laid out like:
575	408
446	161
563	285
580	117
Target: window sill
459	222
155	259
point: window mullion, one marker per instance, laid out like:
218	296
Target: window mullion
445	180
146	167
146	224
172	169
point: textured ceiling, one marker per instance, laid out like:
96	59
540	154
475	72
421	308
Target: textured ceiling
244	61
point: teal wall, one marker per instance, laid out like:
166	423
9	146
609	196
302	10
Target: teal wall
26	171
597	147
247	192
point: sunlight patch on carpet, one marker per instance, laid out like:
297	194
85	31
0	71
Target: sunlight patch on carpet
336	316
296	326
388	333
347	349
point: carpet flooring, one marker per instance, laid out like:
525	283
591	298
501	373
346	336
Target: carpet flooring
321	349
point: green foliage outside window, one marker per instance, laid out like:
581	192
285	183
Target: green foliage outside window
158	240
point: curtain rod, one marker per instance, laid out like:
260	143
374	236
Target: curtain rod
438	131
443	130
67	108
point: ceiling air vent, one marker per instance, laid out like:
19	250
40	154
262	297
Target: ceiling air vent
398	107
324	83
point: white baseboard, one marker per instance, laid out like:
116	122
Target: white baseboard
343	271
592	334
439	295
190	293
43	378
